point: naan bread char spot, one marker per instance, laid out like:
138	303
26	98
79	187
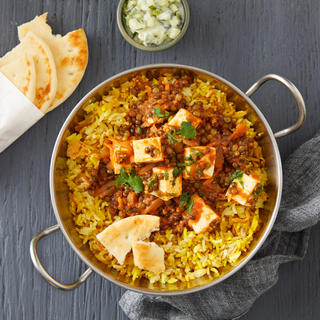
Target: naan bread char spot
70	54
46	75
118	237
22	74
148	256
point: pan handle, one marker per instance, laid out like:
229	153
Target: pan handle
297	95
36	261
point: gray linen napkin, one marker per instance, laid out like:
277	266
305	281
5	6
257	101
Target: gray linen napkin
299	210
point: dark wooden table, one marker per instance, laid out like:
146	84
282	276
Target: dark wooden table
240	40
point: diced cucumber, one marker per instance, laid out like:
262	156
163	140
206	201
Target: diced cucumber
132	3
147	17
164	16
151	22
143	35
134	24
174	32
174	21
166	25
162	2
156	12
156	3
129	10
150	3
127	19
157	35
144	7
132	10
139	15
173	8
155	32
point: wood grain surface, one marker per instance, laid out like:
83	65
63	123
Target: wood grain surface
240	40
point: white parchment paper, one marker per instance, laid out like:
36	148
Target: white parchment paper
17	113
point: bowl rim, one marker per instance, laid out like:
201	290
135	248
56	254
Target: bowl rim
243	262
156	48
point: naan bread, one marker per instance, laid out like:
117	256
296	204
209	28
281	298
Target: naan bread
70	54
46	75
22	74
148	256
118	237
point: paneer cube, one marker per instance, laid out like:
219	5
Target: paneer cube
201	166
181	116
169	187
203	214
243	189
141	146
121	154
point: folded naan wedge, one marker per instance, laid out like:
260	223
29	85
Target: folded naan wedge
46	75
118	237
22	73
148	256
70	54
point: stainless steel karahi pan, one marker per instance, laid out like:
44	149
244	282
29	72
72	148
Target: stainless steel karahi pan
59	189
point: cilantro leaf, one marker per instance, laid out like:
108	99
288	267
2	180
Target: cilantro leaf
133	181
188	130
157	113
172	138
176	172
150	185
185	199
132	172
237	175
189	205
120	180
136	184
186	164
197	153
173	158
260	189
183	164
256	193
198	171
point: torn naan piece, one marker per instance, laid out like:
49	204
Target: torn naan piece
46	75
22	73
118	237
148	256
70	54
